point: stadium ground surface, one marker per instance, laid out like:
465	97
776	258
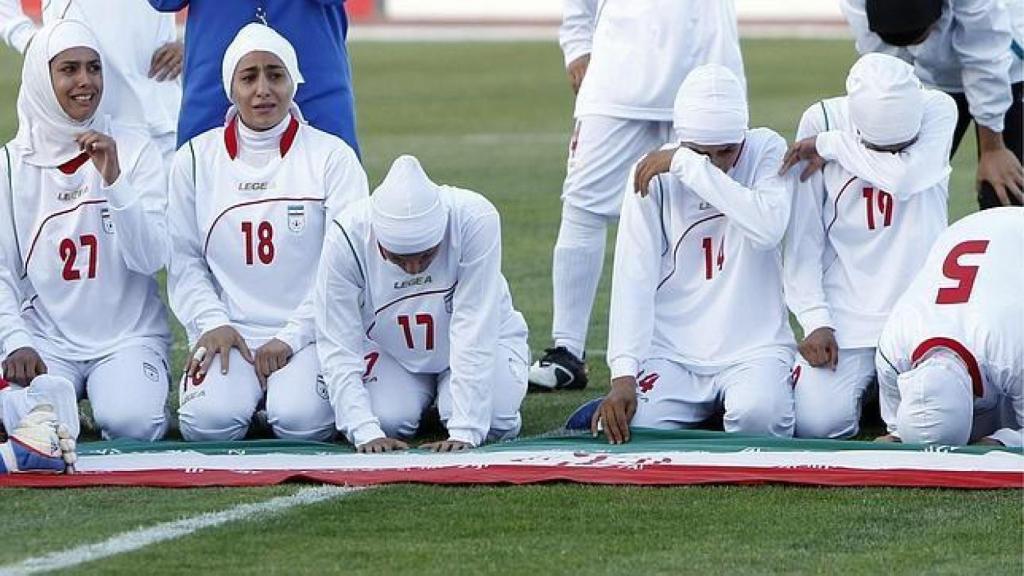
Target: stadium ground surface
495	118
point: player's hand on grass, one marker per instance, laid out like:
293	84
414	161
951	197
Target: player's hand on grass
819	348
616	411
102	150
576	70
216	342
1001	169
805	150
888	438
381	445
270	358
650	166
166	62
22	365
446	446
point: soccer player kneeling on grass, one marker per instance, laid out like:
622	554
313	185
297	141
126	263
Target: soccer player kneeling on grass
951	356
861	228
411	307
248	210
82	233
697	317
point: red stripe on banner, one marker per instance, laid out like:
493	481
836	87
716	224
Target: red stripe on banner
653	475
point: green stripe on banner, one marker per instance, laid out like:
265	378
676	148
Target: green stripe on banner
642	441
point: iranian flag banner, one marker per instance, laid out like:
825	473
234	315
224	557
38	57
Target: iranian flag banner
651	458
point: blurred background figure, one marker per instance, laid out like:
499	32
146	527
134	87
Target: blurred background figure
316	28
142	59
972	50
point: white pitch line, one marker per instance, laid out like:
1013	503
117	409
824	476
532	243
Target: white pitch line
142	537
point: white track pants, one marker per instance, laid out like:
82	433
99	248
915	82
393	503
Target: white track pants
756	396
828	402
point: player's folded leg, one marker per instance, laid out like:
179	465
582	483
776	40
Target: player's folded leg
758	398
398	397
220	406
39	444
297	401
128	391
828	402
510	375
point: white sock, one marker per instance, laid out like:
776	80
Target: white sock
576	271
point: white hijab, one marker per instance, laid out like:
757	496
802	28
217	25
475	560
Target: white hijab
710	107
885	99
407	214
258	37
46	134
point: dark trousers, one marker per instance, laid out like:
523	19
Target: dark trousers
1013	137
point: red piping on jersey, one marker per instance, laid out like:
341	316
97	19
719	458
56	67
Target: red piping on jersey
835	209
206	243
960	350
231	137
35	238
679	243
72	166
406	297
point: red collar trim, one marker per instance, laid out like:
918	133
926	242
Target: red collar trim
960	350
3	383
231	137
72	166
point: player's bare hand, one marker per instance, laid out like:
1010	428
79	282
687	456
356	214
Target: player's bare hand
616	411
576	70
446	446
216	342
381	445
1001	169
166	62
102	150
888	438
650	166
805	150
270	358
22	365
987	441
819	348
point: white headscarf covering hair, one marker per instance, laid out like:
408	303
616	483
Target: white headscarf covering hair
710	107
936	402
46	134
257	37
407	214
885	98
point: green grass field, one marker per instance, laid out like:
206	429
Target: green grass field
495	118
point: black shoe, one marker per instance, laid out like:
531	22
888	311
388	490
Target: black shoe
559	369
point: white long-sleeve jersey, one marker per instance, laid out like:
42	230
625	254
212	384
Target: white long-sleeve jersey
128	34
78	257
698	276
969	50
449	317
245	241
641	50
966	299
861	228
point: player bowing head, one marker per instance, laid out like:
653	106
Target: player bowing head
82	232
950	358
412	308
697	317
869	201
249	202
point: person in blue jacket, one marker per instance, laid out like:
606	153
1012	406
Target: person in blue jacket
317	30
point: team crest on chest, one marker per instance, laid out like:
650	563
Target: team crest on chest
296	218
108	223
